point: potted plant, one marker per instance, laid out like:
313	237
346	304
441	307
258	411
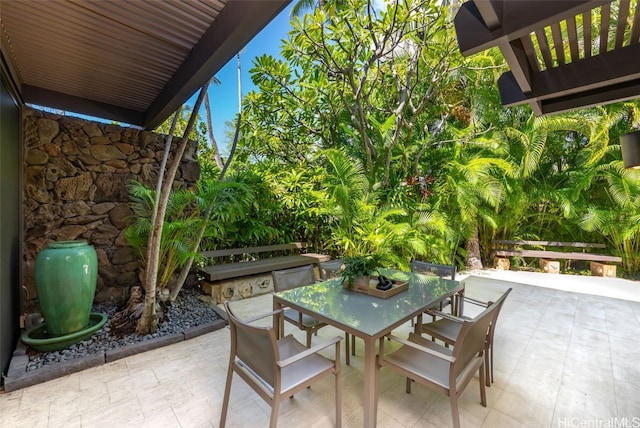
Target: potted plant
358	269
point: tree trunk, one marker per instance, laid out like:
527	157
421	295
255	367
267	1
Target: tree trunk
214	143
474	260
148	322
237	133
187	266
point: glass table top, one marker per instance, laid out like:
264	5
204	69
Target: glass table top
368	314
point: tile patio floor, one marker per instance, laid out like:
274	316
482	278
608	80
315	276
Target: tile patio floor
562	359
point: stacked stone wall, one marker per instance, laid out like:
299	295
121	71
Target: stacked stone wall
75	176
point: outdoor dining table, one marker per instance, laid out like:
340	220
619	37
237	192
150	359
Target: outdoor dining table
368	317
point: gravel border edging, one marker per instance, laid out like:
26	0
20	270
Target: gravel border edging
18	377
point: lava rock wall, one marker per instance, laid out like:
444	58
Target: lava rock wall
75	176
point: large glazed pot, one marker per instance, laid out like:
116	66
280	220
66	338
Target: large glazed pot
65	274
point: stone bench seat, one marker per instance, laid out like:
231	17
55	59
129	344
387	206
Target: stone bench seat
253	267
236	273
557	255
549	257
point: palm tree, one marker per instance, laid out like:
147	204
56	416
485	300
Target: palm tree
469	189
303	6
361	223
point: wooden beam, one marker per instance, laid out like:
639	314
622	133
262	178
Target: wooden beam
518	19
515	55
612	76
488	13
606	95
511	95
607	69
62	101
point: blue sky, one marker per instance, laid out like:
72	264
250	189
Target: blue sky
224	97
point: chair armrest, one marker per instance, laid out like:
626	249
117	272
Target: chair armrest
422	348
475	301
307	352
444	315
259	317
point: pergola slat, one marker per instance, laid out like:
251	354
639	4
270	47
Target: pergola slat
604	27
634	37
623	13
586	28
529	50
572	33
557	43
544	48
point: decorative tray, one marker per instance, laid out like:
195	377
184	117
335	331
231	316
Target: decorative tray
397	287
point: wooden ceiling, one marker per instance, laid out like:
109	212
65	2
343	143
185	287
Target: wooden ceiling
131	61
563	55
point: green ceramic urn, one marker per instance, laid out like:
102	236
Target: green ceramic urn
65	274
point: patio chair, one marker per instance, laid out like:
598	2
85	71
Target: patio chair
448	327
331	269
442	369
442	271
286	279
276	368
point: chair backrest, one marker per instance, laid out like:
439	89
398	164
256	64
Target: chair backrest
496	314
443	271
256	347
331	269
473	334
286	279
471	340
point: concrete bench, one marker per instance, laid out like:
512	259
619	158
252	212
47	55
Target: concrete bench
243	272
549	259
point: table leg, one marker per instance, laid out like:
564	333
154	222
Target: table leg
371	384
417	328
278	321
459	308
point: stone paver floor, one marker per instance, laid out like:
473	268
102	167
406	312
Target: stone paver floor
562	359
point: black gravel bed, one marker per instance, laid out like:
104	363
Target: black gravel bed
189	311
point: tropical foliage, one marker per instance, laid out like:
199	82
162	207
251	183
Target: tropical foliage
370	134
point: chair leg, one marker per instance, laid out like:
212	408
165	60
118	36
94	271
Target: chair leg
487	374
483	393
408	387
225	401
275	408
338	395
455	416
491	359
